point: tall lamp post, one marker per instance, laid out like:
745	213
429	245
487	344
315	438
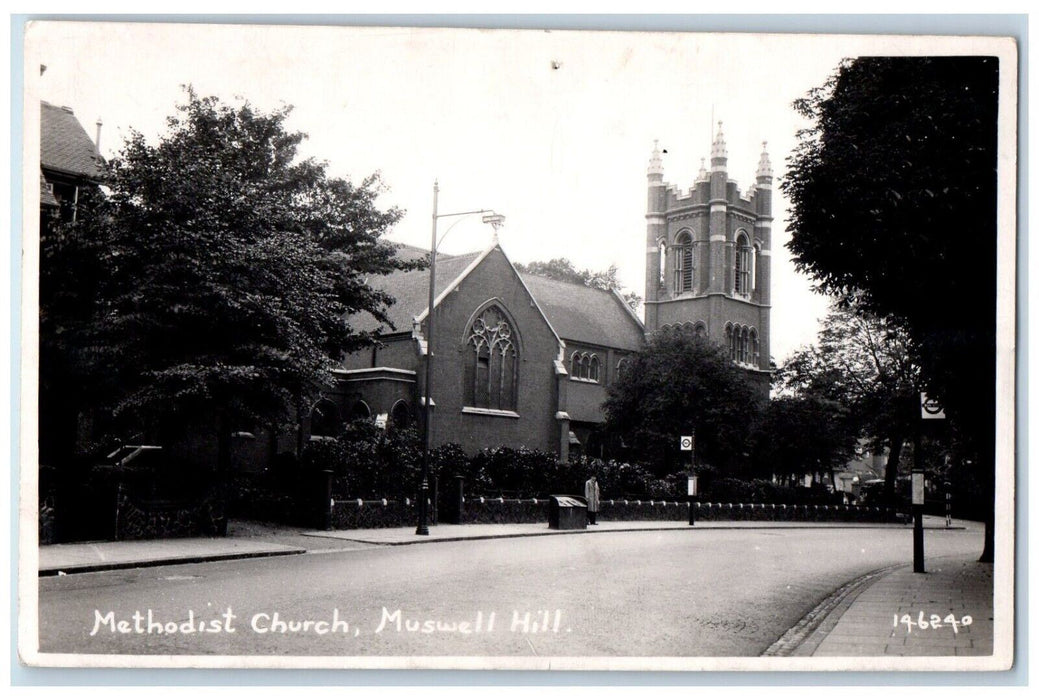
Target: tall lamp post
495	220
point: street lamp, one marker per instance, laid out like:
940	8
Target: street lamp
496	220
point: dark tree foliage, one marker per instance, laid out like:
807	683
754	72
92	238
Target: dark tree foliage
869	367
800	435
682	384
563	270
213	285
893	192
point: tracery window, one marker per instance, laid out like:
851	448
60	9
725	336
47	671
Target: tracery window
491	362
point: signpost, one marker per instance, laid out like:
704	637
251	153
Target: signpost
930	409
687	443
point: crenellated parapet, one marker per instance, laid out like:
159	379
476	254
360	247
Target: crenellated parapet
708	253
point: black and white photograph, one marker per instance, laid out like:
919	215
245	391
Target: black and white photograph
401	347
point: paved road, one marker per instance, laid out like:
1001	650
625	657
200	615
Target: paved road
684	593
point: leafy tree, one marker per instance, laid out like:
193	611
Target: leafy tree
868	367
224	273
893	193
801	435
682	384
563	270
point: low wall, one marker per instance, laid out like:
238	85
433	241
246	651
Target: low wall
637	509
358	514
505	510
785	513
136	520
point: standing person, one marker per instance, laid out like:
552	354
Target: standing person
591	495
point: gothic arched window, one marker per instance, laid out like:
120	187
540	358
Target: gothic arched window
360	411
742	282
400	415
683	256
754	353
491	362
593	368
324	419
754	257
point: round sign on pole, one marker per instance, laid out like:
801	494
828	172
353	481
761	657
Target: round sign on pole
930	409
686	443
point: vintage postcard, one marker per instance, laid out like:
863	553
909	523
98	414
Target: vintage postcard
431	348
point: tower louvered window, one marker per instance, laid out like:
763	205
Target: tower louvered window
683	256
490	372
743	266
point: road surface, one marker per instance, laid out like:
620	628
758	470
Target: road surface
670	593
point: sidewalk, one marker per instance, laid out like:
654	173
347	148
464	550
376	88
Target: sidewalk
860	618
248	539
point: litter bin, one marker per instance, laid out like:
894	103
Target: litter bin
567	513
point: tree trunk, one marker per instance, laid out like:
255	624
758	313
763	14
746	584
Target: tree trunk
895	443
223	468
988	488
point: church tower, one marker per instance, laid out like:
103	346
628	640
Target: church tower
708	258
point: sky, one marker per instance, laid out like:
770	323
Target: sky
552	129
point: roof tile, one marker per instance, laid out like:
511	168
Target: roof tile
65	145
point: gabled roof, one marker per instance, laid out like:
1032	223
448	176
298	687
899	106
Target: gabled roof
585	314
411	289
64	144
410	252
574	311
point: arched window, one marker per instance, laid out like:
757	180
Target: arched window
400	415
742	271
730	339
700	330
593	368
754	357
755	255
622	365
683	257
662	247
744	346
360	411
324	419
491	362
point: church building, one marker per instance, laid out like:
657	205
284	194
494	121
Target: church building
519	360
707	258
525	360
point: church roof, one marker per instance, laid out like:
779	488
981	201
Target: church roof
411	288
576	312
65	145
585	314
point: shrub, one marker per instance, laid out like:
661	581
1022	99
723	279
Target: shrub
519	473
620	479
368	462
